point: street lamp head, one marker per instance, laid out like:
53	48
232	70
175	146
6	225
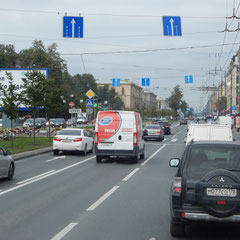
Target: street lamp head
71	95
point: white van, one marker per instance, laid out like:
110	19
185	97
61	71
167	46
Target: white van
224	120
202	132
119	133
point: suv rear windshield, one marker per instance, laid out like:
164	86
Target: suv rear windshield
70	132
164	124
201	160
152	127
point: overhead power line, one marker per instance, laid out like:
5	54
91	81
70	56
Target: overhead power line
95	14
151	50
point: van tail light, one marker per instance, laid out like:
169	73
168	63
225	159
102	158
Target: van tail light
135	139
177	185
77	140
57	139
158	132
96	138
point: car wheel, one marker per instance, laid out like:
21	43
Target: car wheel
55	152
135	159
142	156
98	159
91	150
177	229
85	150
11	171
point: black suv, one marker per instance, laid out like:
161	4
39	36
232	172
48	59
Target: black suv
165	126
206	187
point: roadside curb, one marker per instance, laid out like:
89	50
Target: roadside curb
32	153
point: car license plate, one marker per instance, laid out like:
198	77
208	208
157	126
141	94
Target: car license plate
221	192
106	144
67	141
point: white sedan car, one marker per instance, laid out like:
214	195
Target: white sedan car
73	139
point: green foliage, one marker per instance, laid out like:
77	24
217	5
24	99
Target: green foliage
110	95
10	99
8	56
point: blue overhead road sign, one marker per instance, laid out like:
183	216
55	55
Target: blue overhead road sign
89	103
72	27
171	26
145	82
115	82
188	79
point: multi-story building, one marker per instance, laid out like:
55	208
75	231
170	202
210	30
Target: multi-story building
130	93
149	99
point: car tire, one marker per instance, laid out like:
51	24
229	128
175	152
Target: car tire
11	171
142	156
55	152
85	150
135	159
98	159
177	229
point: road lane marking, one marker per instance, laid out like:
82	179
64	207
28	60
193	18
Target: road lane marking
45	176
103	198
130	174
53	159
65	231
174	140
40	175
153	155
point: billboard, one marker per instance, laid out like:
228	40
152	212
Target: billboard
18	74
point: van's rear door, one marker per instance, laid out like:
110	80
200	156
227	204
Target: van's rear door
109	123
124	137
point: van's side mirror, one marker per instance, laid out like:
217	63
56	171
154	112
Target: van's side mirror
174	162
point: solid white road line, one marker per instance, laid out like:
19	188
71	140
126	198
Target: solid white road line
153	155
29	179
174	140
53	159
103	198
65	231
130	174
45	176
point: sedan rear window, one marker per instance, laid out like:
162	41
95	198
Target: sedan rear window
202	160
70	132
152	127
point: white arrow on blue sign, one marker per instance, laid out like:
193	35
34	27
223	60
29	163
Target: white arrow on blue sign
171	26
188	79
72	27
89	103
115	82
145	82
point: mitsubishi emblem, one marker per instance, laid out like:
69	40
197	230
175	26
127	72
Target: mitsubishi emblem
221	179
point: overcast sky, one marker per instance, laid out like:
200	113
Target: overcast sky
131	25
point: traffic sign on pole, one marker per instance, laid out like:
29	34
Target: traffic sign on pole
72	27
171	26
75	110
145	82
115	82
188	79
90	93
71	104
89	103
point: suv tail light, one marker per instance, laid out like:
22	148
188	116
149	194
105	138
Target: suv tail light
135	139
77	140
96	138
57	139
177	185
158	132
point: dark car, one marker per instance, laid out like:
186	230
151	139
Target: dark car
58	122
165	126
153	131
206	187
183	121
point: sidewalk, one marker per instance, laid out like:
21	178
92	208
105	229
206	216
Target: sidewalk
32	153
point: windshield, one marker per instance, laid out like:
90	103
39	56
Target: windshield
164	124
70	132
203	160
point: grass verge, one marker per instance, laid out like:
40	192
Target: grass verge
23	144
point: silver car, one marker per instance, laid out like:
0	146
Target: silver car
7	165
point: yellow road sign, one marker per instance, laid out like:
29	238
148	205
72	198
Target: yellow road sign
90	93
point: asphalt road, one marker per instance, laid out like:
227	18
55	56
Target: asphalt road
73	197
